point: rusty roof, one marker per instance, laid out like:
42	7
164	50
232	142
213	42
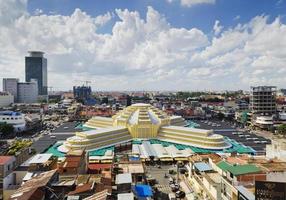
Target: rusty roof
82	188
31	187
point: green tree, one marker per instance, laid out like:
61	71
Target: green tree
6	129
282	129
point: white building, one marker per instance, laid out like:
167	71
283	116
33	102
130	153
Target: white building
282	116
28	92
277	149
6	99
11	85
14	118
264	121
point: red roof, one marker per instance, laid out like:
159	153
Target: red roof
99	166
5	159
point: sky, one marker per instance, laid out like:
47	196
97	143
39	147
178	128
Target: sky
186	45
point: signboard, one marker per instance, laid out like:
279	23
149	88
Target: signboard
266	190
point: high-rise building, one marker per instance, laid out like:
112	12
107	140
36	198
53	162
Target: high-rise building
263	100
28	92
36	68
10	85
82	92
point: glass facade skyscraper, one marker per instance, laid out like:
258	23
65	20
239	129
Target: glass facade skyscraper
36	68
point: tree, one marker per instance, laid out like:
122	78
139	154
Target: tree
282	129
6	129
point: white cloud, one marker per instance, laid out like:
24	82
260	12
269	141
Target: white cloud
38	11
237	17
11	10
142	53
103	19
190	3
217	28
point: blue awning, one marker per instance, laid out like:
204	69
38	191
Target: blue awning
143	190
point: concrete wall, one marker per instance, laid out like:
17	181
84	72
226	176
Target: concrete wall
276	150
276	176
212	189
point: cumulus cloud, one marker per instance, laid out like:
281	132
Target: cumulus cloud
190	3
103	19
38	11
143	53
217	28
237	17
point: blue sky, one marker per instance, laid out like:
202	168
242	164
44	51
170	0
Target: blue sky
148	45
202	16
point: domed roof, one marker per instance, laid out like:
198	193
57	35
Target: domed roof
140	113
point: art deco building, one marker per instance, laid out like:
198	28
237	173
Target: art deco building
141	121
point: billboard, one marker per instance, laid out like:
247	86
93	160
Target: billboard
266	190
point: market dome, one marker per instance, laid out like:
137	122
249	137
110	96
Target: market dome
142	120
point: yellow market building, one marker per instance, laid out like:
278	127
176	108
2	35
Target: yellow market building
141	121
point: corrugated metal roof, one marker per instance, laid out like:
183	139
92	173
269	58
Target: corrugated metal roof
123	178
223	165
125	196
99	166
243	169
149	149
238	169
161	151
40	158
202	166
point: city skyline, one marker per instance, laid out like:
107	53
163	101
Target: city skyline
147	45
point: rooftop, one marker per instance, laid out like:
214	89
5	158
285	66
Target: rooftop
238	169
31	187
125	196
82	188
123	178
202	166
98	196
40	158
10	113
5	159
